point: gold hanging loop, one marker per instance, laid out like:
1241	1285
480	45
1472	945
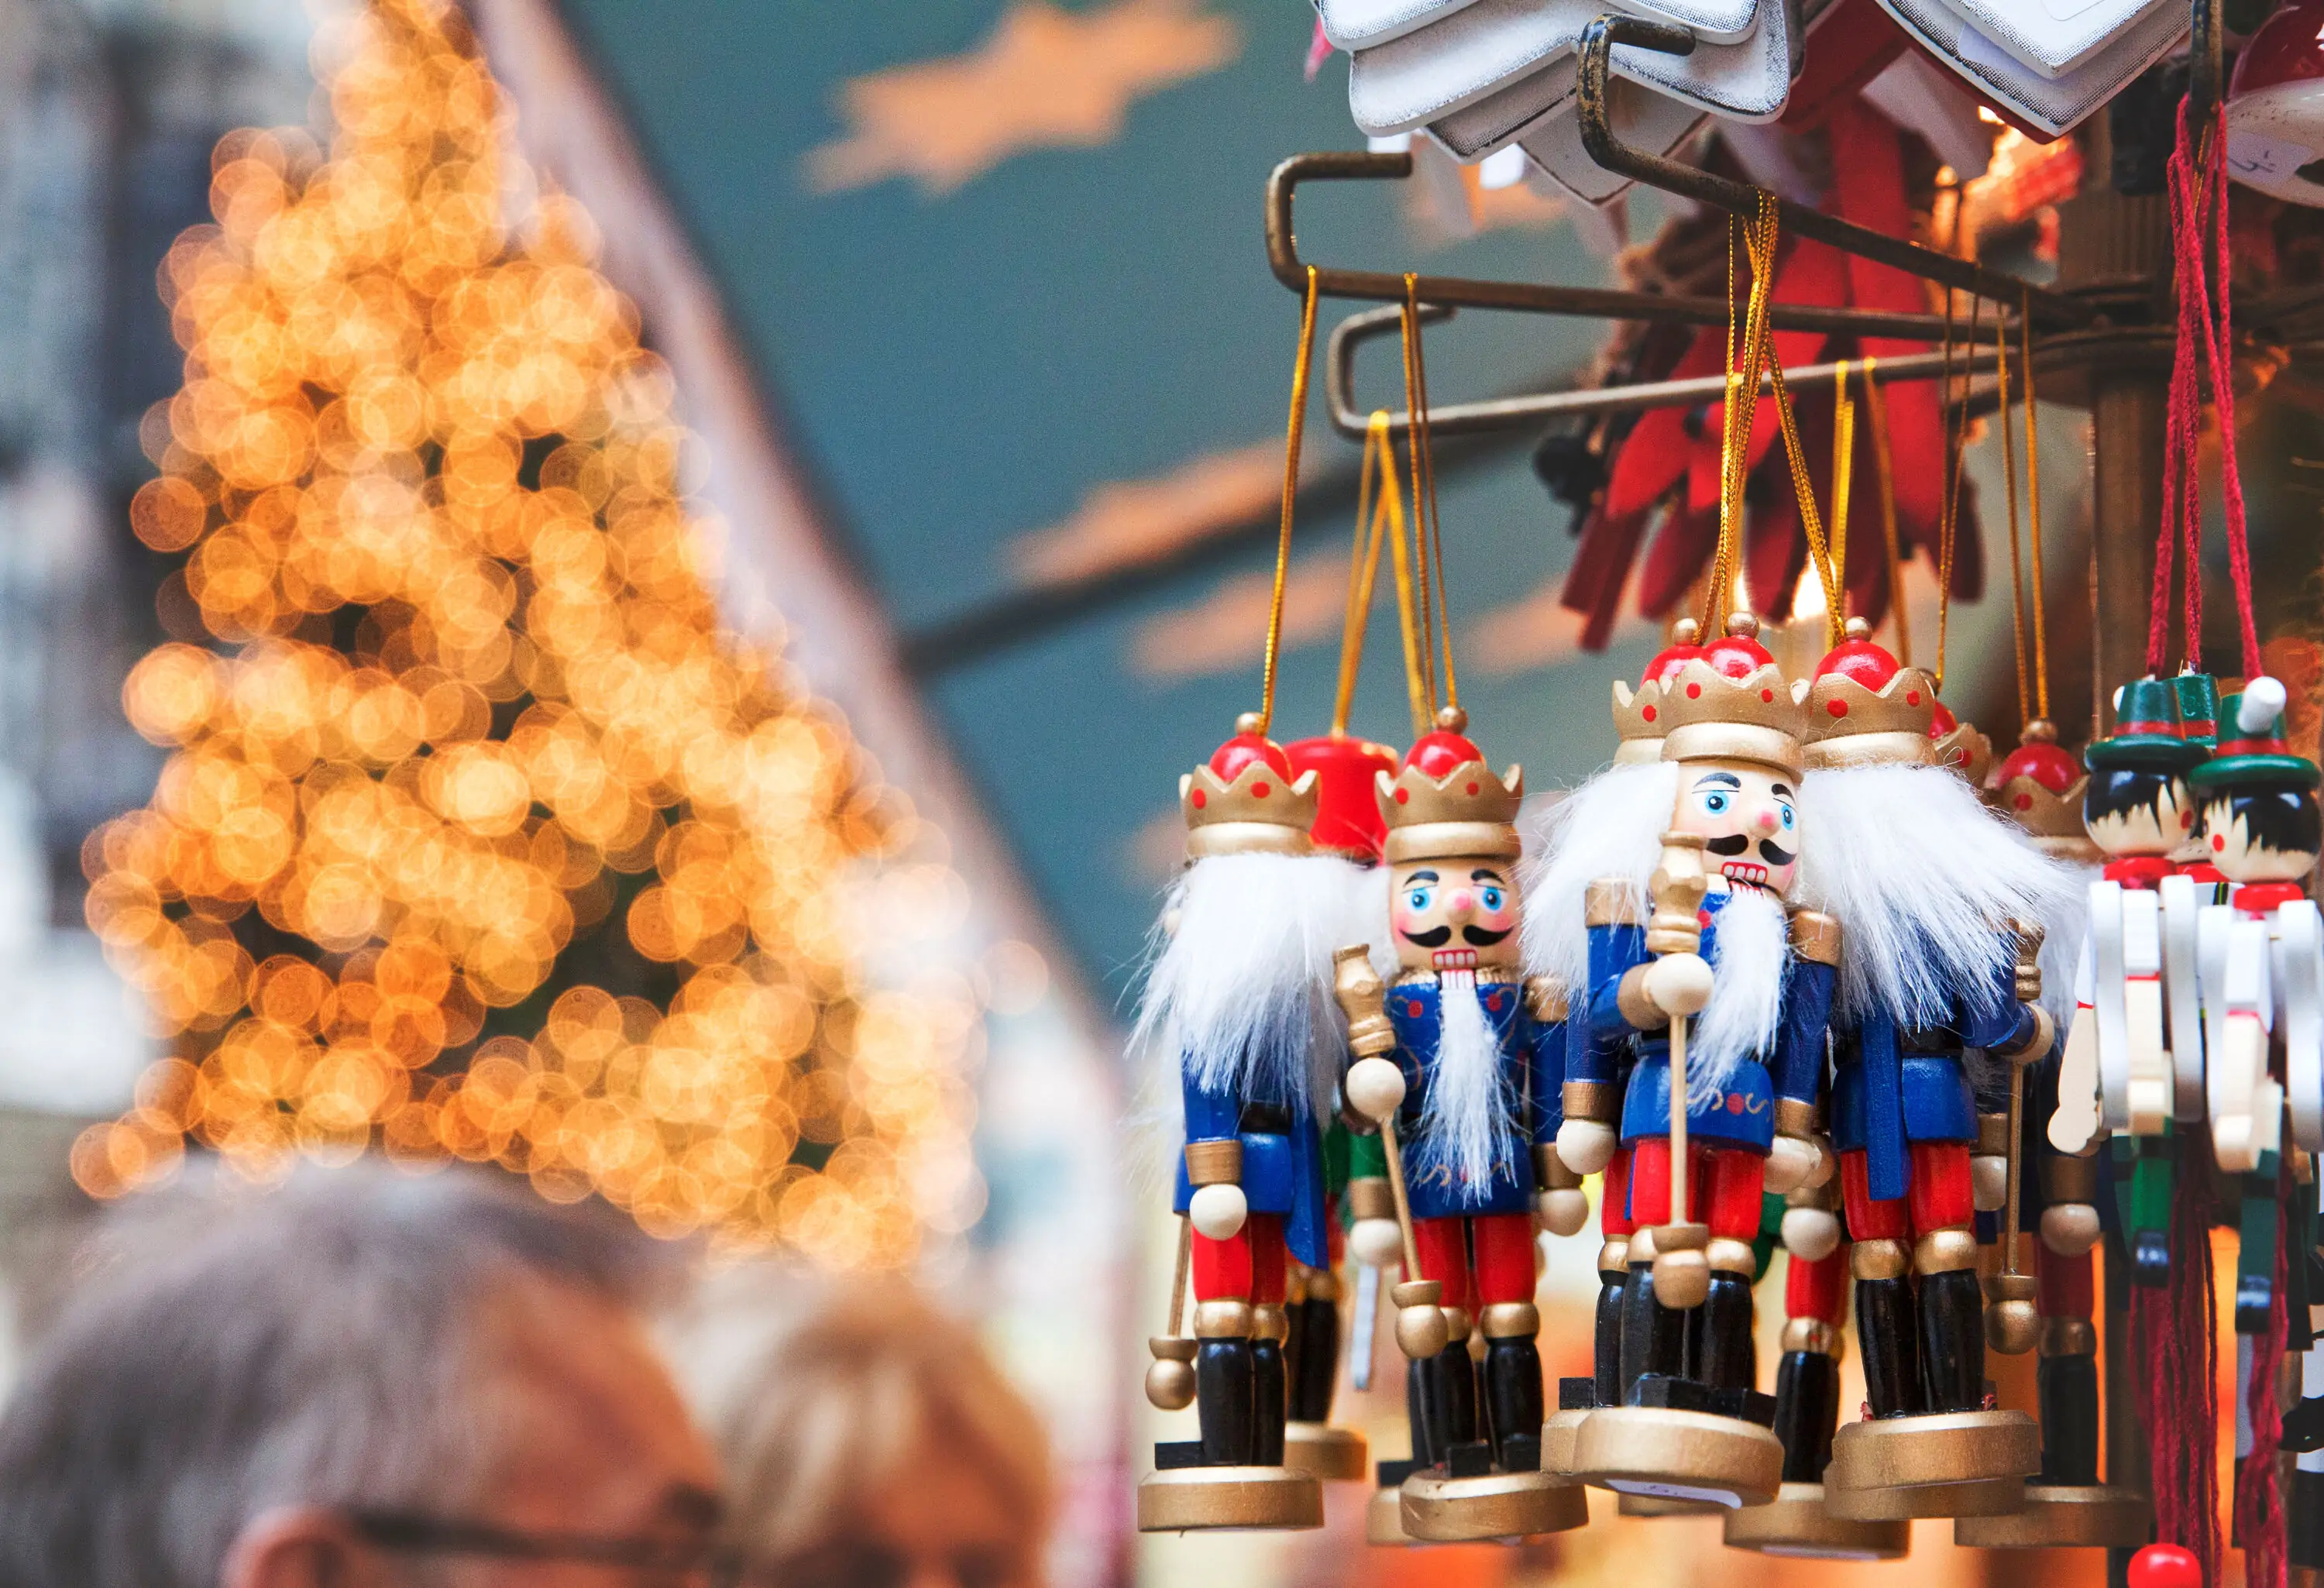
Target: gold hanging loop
1876	405
2010	490
1843	469
1294	434
2033	517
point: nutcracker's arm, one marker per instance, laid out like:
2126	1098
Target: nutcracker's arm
2240	1011
2074	1122
2109	971
2181	997
2149	1077
2299	945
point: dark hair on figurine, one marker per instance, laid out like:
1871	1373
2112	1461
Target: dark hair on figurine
2122	790
2285	820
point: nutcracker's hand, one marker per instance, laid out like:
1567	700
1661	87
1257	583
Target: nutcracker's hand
1376	1242
1218	1211
1791	1163
1679	985
1585	1146
1810	1233
1562	1211
2070	1229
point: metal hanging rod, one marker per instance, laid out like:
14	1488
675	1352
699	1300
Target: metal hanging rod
1532	297
2070	350
1598	137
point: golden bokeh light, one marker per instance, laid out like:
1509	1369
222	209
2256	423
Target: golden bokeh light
470	741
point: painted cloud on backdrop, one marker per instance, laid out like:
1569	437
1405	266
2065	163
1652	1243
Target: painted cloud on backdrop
1043	78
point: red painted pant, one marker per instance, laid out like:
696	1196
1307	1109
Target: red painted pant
1817	1290
1480	1261
1614	1199
1936	1196
1247	1266
1722	1187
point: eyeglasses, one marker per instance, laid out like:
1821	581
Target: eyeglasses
658	1559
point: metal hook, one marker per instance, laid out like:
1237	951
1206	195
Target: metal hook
1536	298
1597	42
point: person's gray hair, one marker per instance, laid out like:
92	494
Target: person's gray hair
310	1345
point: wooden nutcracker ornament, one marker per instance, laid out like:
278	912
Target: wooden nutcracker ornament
1922	880
1355	1175
1799	1524
1706	1136
1239	996
1460	1067
2039	787
1601	841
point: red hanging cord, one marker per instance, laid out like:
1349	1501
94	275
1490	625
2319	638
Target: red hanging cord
2199	209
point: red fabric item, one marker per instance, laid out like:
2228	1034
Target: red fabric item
1817	1290
1682	548
2067	1287
1722	1187
2259	1503
1504	1264
1614	1198
1656	453
1601	568
1854	41
2173	1339
1444	1246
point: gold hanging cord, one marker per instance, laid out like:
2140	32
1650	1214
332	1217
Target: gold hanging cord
1294	432
2009	489
1759	356
1379	516
1843	469
2033	529
1876	405
1956	437
1427	535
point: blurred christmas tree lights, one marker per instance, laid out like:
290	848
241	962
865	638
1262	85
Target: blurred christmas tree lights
478	837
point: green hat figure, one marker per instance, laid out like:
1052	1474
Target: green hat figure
2146	736
2254	754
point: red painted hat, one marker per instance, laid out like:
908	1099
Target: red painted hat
1347	812
1866	708
1684	648
1446	801
1247	797
2040	786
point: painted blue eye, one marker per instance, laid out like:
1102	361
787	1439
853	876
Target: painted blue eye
1715	803
1789	819
1490	897
1419	899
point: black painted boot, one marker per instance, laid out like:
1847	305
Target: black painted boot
1952	1340
1720	1332
1807	1413
1270	1401
1889	1332
1314	1367
1513	1402
1225	1403
1654	1337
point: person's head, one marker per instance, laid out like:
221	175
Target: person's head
2138	810
869	1441
301	1388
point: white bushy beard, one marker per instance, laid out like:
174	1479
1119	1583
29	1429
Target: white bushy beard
1610	826
1749	954
1921	878
1239	994
1466	1127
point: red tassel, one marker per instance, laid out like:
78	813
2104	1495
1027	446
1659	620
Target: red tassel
2172	1336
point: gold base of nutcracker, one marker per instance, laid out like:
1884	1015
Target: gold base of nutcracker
1321	1451
2063	1517
1557	1437
1383	1519
1799	1526
1501	1505
1679	1455
1969	1463
1186	1499
1651	1505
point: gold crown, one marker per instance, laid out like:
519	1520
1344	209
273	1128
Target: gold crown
1709	715
1964	749
1637	718
1255	812
2052	819
1850	724
1468	811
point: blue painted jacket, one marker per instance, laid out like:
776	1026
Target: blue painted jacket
1743	1114
1893	1087
1282	1155
1533	1074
